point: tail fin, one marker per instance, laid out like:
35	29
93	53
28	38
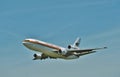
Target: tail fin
77	42
75	45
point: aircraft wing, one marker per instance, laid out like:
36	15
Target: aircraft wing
85	50
80	52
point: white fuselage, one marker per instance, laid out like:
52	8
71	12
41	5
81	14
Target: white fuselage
46	48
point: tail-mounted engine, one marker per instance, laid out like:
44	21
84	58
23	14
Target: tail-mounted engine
75	45
72	47
69	46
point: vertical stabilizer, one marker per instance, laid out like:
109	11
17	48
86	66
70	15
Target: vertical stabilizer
77	42
75	45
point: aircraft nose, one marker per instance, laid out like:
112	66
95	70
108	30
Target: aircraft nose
25	42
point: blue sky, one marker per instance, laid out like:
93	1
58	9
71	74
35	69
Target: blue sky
60	22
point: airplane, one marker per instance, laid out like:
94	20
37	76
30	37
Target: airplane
52	51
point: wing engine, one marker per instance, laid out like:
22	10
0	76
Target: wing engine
36	57
43	56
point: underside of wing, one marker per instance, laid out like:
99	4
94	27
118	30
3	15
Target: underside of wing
79	52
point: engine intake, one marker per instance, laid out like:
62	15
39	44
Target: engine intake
72	47
63	51
36	57
69	46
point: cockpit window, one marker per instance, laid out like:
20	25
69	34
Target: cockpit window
26	40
